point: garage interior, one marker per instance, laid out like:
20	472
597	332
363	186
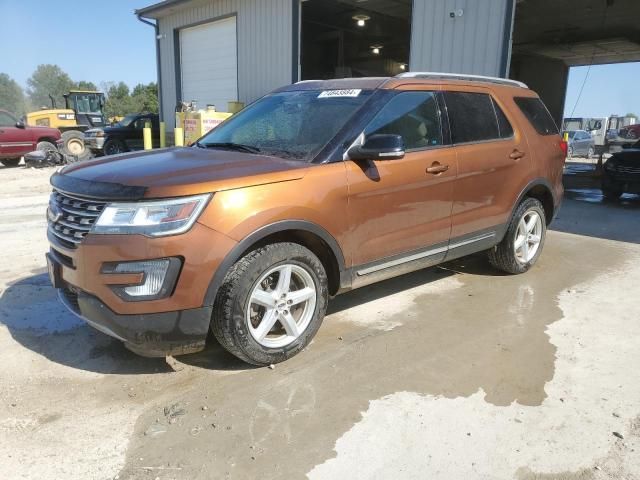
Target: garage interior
550	36
354	38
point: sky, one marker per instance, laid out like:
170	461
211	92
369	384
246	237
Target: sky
609	89
102	40
93	40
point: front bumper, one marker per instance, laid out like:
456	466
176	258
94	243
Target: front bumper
623	184
149	335
94	143
176	324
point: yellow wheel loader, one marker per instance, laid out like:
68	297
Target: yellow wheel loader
83	110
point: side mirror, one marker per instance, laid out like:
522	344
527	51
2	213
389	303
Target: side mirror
378	147
20	124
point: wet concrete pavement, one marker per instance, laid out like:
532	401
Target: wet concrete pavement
451	372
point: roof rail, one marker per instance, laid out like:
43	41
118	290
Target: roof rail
462	76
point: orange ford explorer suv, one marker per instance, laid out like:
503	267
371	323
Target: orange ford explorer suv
315	189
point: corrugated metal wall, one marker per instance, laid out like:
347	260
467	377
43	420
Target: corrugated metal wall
472	43
264	45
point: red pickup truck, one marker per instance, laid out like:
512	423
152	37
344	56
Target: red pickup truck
16	139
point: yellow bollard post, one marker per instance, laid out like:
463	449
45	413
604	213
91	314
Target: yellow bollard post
566	136
163	135
146	136
178	134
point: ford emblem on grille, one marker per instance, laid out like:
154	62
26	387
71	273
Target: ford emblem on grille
53	213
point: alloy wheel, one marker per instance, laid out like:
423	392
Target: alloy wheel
281	305
528	236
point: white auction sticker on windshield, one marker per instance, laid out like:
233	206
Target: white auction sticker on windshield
354	92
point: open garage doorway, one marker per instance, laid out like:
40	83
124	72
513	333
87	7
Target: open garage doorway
550	36
354	38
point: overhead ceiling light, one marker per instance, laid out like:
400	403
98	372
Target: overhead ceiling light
376	49
361	19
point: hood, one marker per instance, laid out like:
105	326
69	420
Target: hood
627	156
186	171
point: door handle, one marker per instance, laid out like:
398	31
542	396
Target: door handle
516	154
1	131
437	168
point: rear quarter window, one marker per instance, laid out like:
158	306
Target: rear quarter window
537	114
475	117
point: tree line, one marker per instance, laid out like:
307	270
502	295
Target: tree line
50	80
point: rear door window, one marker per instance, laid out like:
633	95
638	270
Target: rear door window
414	116
473	118
537	114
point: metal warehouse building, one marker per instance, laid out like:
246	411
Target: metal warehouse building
216	51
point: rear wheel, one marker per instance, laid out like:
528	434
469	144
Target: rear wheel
590	152
522	244
10	162
73	144
271	304
46	147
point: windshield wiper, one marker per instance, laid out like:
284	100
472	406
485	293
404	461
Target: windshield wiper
230	146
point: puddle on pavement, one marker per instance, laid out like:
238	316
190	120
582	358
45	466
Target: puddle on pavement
487	333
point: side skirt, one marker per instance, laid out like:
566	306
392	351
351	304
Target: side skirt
389	267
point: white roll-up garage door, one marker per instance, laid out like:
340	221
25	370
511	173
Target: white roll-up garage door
208	63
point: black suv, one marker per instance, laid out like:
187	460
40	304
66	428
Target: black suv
622	173
124	136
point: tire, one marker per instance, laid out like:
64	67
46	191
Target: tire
611	194
10	162
237	320
505	256
590	152
114	146
73	144
46	147
569	152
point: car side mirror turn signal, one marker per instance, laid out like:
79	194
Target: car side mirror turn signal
378	147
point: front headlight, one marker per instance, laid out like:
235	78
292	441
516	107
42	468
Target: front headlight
153	218
98	133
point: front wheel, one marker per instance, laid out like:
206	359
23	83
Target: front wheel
271	303
522	244
114	146
590	152
611	194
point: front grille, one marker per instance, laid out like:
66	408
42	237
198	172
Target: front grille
628	170
71	217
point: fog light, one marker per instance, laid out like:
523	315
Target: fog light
158	278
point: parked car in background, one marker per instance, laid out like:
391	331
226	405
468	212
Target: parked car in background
581	144
239	234
124	136
621	173
630	131
16	139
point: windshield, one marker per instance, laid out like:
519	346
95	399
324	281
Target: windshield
571	134
87	103
294	125
126	121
